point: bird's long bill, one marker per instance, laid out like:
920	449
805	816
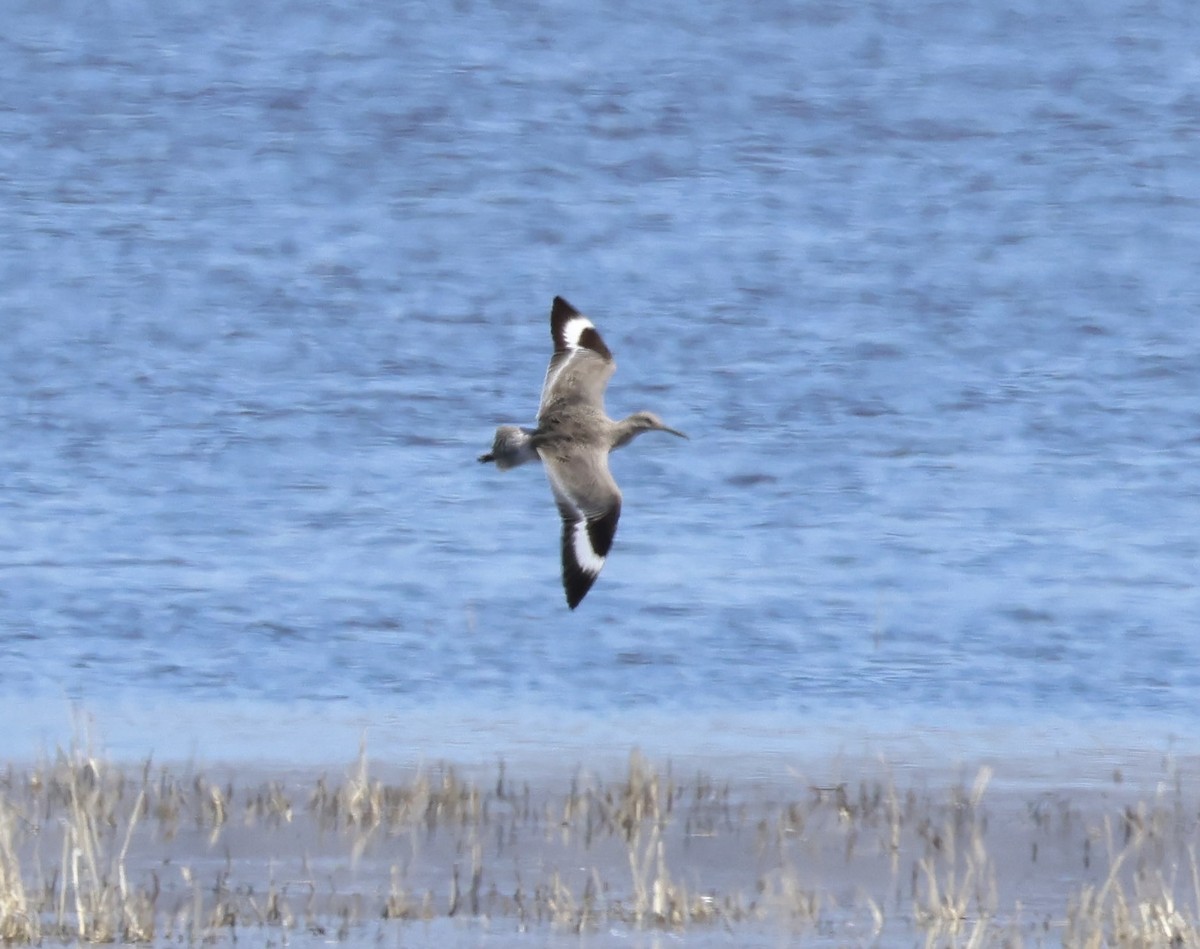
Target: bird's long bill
673	431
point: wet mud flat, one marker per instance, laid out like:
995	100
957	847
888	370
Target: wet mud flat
841	853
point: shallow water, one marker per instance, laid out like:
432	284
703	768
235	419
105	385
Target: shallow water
918	279
840	853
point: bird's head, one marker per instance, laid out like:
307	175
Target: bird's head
640	422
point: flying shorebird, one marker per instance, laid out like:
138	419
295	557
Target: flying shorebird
572	440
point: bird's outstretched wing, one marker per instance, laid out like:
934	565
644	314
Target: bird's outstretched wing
590	505
581	365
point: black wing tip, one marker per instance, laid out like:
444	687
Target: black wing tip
589	338
576	584
600	533
560	315
575	580
575	595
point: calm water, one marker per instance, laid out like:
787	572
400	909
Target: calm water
919	279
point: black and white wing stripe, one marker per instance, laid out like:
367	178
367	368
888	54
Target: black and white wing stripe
589	523
582	364
586	542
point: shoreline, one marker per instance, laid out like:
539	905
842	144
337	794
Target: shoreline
756	743
848	847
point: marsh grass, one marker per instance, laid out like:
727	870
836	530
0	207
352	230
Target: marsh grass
93	853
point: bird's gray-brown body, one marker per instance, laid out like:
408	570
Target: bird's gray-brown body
572	440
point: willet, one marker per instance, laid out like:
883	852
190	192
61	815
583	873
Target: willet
572	440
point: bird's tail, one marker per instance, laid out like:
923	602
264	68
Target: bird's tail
511	447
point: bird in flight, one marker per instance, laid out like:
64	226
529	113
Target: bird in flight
572	440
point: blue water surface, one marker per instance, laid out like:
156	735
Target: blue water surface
919	280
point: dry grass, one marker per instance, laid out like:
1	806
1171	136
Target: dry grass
92	853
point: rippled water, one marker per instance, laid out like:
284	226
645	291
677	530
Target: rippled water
919	280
